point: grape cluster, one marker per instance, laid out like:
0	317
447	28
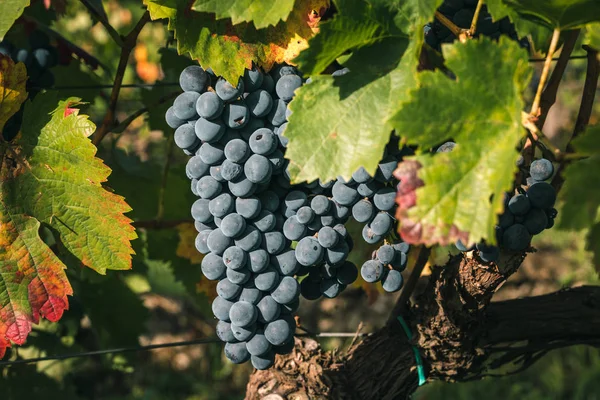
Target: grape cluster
38	59
527	213
266	241
461	13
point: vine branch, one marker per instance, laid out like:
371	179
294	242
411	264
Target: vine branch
128	45
535	108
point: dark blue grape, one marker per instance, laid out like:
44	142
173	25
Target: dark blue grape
519	204
369	236
392	281
363	211
221	205
259	260
331	288
200	242
228	290
227	92
259	344
209	131
542	195
385	199
211	153
279	331
386	254
259	103
267	280
220	308
248	207
294	230
237	151
184	106
516	238
382	223
253	79
230	170
196	168
385	169
243	314
193	79
328	237
209	105
243	333
295	199
343	194
347	273
274	242
310	290
217	242
338	253
268	309
269	200
236	114
286	85
208	187
536	221
200	211
491	254
213	267
237	352
320	204
250	239
309	251
224	332
372	271
258	169
235	258
241	186
185	137
304	215
368	189
277	114
361	176
264	361
250	293
172	120
286	291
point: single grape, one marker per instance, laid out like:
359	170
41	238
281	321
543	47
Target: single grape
209	131
263	141
347	273
258	169
264	361
243	314
267	280
320	204
328	237
268	83
542	195
200	242
208	187
248	207
172	120
519	204
368	189
535	221
392	281
285	262
259	344
506	219
259	103
363	211
277	114
361	175
253	79
184	105
227	92
185	137
235	258
259	260
237	352
343	194
382	223
221	205
274	242
338	253
268	309
516	238
250	293
230	170
236	114
241	186
491	255
227	289
217	242
385	169
269	200
193	79
331	288
220	308
243	333
279	331
309	251
372	271
295	199
212	267
237	151
209	105
224	332
294	230
386	254
211	153
200	211
286	291
286	86
250	239
304	215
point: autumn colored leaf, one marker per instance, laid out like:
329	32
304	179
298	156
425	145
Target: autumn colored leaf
12	88
49	175
228	49
186	247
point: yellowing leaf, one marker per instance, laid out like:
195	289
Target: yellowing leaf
186	247
228	49
12	88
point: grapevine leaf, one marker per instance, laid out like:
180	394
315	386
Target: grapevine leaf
55	178
592	35
593	244
556	14
580	200
261	13
186	247
481	111
339	124
229	49
362	25
11	10
12	88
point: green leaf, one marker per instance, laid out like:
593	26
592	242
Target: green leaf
481	111
339	124
579	196
358	24
262	12
56	179
556	14
11	10
230	49
592	36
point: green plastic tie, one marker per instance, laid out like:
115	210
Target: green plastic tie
420	369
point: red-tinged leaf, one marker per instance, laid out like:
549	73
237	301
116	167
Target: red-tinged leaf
49	175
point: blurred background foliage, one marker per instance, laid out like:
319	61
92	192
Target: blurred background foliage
164	299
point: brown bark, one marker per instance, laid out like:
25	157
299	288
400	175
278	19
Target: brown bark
460	335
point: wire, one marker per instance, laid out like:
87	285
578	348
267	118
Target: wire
159	84
133	349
